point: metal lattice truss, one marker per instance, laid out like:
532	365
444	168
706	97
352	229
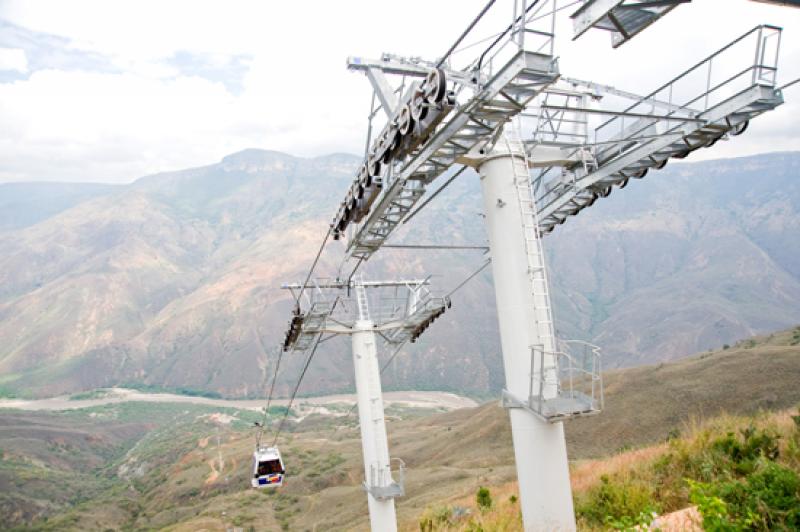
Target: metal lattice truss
400	310
585	138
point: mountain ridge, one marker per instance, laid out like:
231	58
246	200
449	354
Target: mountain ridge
173	280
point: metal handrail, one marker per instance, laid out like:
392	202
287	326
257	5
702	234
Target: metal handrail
566	374
630	138
742	37
518	27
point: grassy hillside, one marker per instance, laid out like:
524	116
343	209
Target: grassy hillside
649	403
727	473
184	467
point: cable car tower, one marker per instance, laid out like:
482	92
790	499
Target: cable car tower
397	312
545	146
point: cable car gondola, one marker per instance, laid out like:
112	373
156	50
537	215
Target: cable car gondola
268	471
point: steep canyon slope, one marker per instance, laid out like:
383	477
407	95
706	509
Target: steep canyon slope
173	281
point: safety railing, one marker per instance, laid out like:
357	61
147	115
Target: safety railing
749	60
568	382
532	28
383	484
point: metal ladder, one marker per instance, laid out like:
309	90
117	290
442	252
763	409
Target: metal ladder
536	268
361	300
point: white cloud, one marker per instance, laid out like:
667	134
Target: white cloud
145	114
13	59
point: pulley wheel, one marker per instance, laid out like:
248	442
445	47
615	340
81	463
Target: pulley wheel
404	120
435	86
375	167
740	128
392	138
419	109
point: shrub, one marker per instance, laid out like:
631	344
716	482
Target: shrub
483	498
768	499
618	504
754	445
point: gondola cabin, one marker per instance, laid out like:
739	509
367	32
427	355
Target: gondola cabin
268	468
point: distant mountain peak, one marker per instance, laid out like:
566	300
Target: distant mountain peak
251	155
254	160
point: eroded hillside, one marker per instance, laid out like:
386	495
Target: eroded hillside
173	281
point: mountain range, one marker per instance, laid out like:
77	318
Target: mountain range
173	281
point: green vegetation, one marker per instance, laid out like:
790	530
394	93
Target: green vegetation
742	473
178	390
795	340
483	498
758	492
620	504
91	394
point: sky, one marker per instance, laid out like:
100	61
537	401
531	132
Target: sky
109	91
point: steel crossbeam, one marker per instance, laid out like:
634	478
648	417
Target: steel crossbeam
557	203
477	122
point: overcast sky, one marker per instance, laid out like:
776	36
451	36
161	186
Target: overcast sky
109	91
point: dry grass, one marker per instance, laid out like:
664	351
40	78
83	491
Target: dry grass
586	473
629	466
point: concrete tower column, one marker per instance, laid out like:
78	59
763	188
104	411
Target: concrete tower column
374	443
539	447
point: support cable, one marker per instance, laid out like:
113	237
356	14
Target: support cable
789	84
534	19
263	424
313	265
469	278
260	433
430	198
399	347
465	32
296	388
503	34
